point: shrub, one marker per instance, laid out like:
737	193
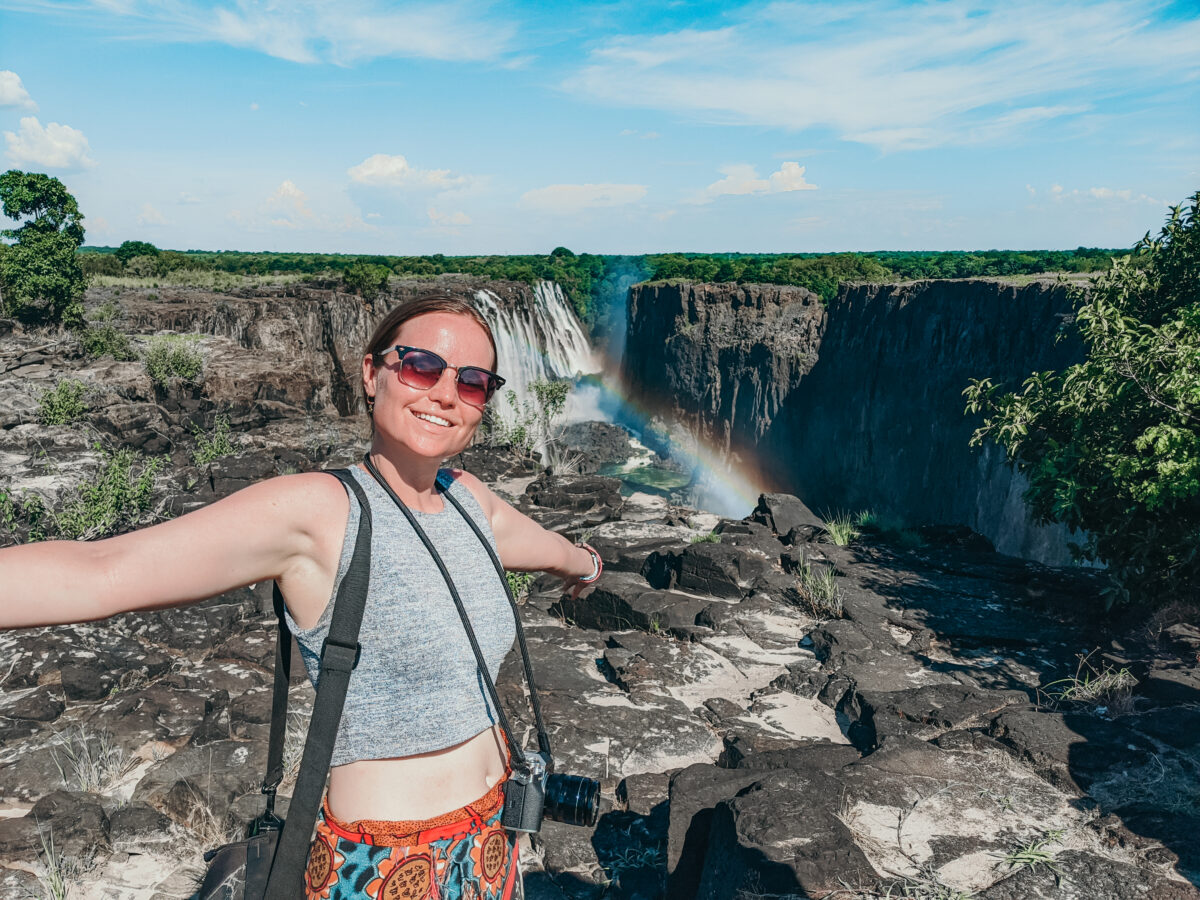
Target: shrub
535	421
27	515
214	444
118	497
174	356
1111	445
821	591
518	583
105	340
63	404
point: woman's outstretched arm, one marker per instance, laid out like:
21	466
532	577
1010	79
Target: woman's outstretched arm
523	544
280	528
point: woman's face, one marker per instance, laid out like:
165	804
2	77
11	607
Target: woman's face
432	423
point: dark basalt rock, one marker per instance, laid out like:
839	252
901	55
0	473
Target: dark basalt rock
43	704
787	516
579	494
622	600
925	712
782	835
1079	875
598	443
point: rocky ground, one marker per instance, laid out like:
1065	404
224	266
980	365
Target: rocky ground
752	740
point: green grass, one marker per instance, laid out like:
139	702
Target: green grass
1092	684
1034	854
174	356
889	528
821	591
64	403
519	583
214	444
711	538
841	530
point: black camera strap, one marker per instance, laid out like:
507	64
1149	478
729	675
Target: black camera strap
517	754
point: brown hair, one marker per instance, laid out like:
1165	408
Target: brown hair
381	339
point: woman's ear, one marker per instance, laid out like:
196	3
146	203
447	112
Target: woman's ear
369	375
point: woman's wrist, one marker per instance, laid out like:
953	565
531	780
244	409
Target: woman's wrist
597	564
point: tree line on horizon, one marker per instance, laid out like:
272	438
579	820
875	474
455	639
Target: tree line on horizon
587	277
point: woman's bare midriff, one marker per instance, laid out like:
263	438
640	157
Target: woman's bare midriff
418	787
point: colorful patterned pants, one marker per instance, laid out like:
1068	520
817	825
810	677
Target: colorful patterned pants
462	855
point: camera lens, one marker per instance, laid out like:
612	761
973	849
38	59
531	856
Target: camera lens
572	799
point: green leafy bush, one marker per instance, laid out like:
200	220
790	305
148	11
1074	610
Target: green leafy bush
106	340
1111	445
64	403
535	420
214	444
174	356
518	583
25	516
117	498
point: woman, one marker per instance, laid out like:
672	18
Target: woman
418	755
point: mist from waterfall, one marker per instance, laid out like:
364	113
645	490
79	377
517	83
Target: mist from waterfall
542	341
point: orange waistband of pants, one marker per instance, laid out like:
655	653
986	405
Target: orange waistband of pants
412	832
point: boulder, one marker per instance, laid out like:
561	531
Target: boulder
784	512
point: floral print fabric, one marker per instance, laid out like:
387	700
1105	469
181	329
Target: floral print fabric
465	855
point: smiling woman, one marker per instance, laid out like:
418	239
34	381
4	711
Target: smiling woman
418	752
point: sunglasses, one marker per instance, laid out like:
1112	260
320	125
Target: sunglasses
422	369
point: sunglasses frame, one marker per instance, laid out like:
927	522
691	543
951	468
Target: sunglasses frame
496	382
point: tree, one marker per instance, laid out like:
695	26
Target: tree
132	249
366	279
1112	445
40	275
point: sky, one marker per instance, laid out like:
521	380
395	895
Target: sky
361	126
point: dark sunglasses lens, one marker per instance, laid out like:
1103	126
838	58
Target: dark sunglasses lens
421	370
475	386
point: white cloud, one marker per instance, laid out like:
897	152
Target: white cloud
53	147
13	93
442	219
289	207
1122	195
150	216
395	171
912	76
566	199
342	32
743	179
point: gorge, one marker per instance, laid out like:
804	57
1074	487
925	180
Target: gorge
858	406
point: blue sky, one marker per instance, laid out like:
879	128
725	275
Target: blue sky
374	127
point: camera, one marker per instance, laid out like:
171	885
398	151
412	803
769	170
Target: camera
533	792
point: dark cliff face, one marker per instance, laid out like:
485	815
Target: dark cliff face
686	342
873	418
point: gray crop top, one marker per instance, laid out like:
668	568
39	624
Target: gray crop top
417	686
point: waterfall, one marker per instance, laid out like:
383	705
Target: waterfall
538	341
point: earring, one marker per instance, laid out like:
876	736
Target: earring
370	404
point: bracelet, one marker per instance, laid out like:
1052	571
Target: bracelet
597	564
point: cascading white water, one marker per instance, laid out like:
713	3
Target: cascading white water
540	341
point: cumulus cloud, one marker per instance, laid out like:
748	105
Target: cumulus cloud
953	72
13	93
1122	195
53	147
743	179
342	32
290	207
150	216
565	199
395	171
448	220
